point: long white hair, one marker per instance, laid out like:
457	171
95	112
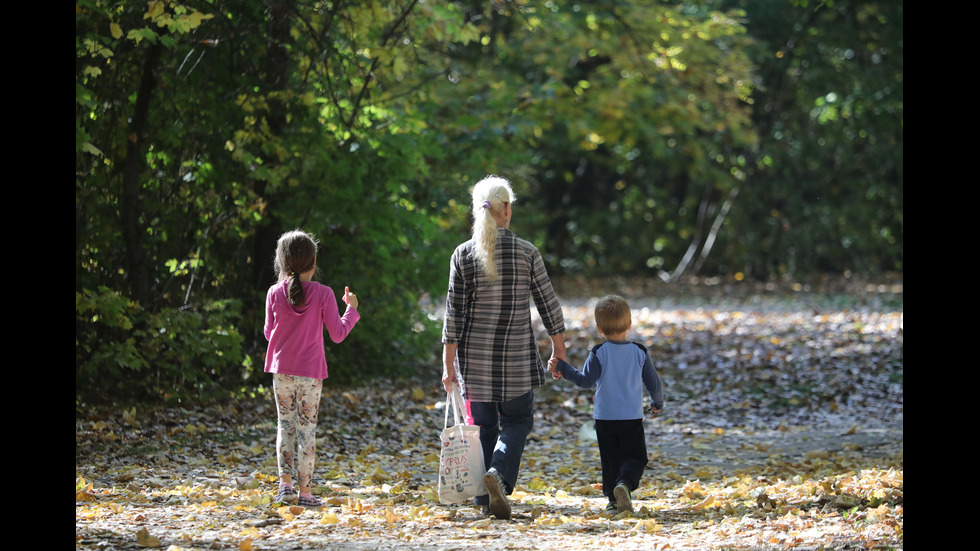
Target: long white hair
489	196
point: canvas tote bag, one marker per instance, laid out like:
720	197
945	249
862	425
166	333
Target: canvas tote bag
461	466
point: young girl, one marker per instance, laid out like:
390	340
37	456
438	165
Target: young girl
296	309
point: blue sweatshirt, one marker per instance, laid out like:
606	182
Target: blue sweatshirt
619	370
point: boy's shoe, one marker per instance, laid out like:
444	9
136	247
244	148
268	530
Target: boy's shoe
311	502
611	507
498	498
624	502
286	495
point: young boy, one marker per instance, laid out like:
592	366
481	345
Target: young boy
620	370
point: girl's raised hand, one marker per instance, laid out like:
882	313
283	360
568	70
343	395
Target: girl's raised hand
350	299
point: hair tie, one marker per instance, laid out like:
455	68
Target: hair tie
486	204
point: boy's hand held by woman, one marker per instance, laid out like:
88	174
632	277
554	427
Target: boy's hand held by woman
553	368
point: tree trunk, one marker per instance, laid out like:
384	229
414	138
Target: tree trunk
276	75
137	271
705	211
715	227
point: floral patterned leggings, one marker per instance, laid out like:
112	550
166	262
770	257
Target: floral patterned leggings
297	401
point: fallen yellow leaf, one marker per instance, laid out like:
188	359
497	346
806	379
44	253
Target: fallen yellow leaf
548	521
648	525
329	518
144	539
390	516
705	503
129	417
288	512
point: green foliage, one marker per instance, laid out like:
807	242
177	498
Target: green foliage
204	130
611	118
239	144
122	350
825	191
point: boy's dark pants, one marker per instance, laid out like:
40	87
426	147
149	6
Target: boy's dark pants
622	453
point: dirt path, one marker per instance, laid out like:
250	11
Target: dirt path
178	481
783	430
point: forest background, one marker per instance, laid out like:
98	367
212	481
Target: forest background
752	140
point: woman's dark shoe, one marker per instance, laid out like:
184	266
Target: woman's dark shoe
498	498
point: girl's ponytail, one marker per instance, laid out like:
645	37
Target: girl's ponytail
489	197
295	255
297	296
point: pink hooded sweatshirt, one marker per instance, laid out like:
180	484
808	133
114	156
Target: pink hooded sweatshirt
295	334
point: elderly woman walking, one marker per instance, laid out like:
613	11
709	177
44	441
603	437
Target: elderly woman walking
489	347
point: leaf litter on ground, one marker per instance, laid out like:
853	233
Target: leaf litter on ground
782	429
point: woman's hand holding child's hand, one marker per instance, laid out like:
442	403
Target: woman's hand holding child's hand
553	368
350	299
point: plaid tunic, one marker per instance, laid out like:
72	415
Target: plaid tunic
497	357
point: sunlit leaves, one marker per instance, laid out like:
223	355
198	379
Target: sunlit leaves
182	267
648	93
174	16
